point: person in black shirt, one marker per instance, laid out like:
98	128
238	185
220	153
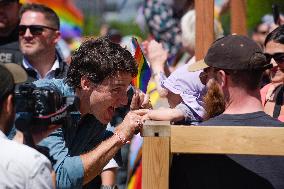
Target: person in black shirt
233	67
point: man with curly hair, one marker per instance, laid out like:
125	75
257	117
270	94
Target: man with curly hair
100	74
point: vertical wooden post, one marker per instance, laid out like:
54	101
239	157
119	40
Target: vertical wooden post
238	17
204	27
156	155
155	162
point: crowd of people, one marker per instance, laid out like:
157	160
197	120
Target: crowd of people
239	82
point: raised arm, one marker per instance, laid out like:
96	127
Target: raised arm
157	57
95	160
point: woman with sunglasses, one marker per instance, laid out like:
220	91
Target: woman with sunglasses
272	93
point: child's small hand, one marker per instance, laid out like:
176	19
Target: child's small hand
144	113
140	100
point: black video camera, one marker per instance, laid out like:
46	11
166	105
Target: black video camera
39	107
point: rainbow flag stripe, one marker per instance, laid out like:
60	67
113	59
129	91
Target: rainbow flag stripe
136	179
71	18
135	173
144	72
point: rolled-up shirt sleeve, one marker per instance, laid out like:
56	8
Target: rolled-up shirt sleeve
66	143
69	169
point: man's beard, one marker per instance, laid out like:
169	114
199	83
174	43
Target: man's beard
214	101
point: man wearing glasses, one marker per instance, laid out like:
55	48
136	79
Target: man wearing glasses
234	66
272	94
9	20
38	35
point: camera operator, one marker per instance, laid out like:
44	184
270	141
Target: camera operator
100	74
20	165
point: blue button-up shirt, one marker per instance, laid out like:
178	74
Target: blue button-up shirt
78	136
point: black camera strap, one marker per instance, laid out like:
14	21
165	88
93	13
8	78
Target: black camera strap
29	141
278	101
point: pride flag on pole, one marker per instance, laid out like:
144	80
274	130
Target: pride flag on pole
144	72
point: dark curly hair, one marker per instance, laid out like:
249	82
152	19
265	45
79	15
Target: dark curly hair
277	35
98	59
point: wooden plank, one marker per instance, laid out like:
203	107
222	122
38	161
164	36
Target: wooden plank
155	162
238	17
227	140
156	128
204	27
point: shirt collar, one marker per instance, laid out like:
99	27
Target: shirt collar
2	135
55	65
27	65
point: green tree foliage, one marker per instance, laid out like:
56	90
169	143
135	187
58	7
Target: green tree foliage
255	10
127	28
92	27
258	8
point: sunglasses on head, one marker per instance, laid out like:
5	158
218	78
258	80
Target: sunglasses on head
34	29
278	57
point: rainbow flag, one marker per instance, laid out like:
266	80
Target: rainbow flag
144	72
136	179
135	173
71	18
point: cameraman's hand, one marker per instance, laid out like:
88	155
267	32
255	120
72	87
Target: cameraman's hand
43	133
131	124
140	100
37	135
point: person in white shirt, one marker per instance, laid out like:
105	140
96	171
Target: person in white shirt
20	165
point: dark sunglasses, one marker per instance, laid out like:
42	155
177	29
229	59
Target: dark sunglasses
204	75
34	29
278	57
6	3
262	32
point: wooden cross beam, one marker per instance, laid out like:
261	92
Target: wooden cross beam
162	139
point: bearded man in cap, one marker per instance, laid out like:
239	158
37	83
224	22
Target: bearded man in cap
232	70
